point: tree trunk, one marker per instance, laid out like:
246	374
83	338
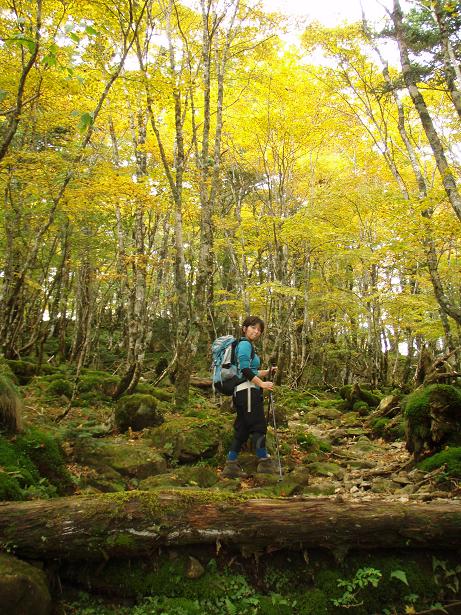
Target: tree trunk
136	523
448	180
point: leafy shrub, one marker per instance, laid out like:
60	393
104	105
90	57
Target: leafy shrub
44	451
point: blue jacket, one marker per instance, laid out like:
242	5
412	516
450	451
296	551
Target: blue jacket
248	366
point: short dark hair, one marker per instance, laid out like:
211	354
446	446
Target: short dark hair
252	321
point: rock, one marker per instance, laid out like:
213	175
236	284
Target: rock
194	569
134	459
323	468
322	488
23	588
137	412
389	406
382	485
401	478
351	419
188	439
324	413
361	464
300	475
203	476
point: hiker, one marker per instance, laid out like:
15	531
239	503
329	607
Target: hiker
249	404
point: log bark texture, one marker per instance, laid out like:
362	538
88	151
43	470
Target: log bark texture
137	523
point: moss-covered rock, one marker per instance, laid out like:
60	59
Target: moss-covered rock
97	386
23	588
148	389
129	459
23	370
137	412
310	443
361	407
352	393
450	457
432	418
188	439
11	406
60	387
323	468
195	476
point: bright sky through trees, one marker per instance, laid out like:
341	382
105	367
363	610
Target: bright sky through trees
328	12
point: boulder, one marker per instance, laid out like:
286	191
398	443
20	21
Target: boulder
137	412
323	468
389	406
432	418
23	588
117	457
188	439
195	476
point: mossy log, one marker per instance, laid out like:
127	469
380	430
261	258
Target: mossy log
136	523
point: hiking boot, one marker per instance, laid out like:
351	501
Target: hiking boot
232	470
267	465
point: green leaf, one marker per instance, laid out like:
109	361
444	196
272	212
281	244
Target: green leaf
400	575
74	37
91	31
86	119
3	95
50	60
20	39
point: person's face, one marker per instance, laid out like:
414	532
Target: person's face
252	332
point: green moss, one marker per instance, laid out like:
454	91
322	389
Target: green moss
378	425
361	407
23	370
46	454
436	404
9	488
313	602
59	386
18	464
137	411
188	439
310	443
120	540
5	370
98	384
450	457
148	389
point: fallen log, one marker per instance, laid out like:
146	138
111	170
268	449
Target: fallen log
137	523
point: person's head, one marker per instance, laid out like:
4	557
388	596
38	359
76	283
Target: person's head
252	327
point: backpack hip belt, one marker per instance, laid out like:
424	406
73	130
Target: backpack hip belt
246	385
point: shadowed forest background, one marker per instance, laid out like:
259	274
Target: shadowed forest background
167	168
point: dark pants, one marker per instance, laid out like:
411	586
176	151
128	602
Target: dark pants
251	423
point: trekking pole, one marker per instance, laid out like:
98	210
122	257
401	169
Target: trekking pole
277	445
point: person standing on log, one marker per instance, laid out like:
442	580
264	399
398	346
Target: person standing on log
249	403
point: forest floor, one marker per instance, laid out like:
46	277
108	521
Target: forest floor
325	452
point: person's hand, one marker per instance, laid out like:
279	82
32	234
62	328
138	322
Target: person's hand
269	385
